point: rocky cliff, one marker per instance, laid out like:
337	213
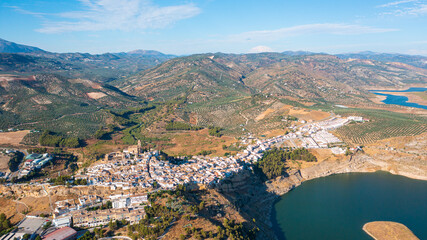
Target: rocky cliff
256	198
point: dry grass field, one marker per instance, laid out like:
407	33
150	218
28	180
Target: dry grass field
274	133
15	209
4	159
277	108
307	115
388	231
193	142
12	138
321	155
264	114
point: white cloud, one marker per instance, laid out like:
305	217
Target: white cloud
406	8
320	28
418	10
125	15
260	49
390	4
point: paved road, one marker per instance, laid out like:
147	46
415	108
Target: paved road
116	237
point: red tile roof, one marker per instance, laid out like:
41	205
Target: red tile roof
60	234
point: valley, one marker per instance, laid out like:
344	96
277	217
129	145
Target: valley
153	145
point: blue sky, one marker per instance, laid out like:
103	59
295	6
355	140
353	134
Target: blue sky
230	26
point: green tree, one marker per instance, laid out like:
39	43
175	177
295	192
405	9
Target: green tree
4	222
215	131
112	225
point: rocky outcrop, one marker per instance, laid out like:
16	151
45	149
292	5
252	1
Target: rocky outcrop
234	183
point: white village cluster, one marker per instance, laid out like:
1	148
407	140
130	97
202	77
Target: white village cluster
133	168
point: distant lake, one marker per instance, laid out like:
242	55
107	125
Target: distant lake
337	207
400	100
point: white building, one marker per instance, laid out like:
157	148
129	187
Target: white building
62	222
121	203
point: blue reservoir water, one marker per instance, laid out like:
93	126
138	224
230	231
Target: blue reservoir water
401	100
337	207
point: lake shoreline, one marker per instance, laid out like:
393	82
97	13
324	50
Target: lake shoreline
405	98
381	230
356	164
412	98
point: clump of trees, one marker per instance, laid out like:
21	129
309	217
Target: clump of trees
15	160
156	220
107	205
181	126
272	164
215	131
233	230
52	139
291	118
65	180
114	225
104	133
37	150
96	234
302	154
196	233
205	152
122	118
5	225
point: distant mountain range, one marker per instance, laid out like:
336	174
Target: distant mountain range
17	58
298	74
11	47
39	86
318	77
415	60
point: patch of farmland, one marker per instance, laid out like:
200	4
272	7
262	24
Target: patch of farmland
382	125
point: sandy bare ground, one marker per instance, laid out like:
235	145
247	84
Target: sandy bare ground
4	159
10	77
388	231
264	114
193	142
12	138
279	109
308	114
274	133
96	95
378	99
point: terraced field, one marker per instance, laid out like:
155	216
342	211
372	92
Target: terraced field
382	125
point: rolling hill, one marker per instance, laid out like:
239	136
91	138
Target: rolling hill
314	77
67	92
11	47
47	101
199	77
